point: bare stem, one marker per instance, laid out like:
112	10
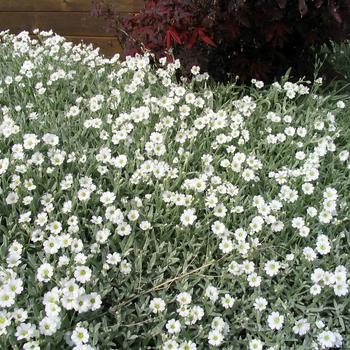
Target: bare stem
165	284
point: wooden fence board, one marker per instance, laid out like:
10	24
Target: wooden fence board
69	18
65	5
108	46
63	23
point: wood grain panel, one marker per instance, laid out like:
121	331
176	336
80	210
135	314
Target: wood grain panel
66	5
108	46
63	23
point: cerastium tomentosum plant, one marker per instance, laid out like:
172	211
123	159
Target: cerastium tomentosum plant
141	212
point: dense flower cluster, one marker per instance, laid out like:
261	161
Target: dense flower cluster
141	212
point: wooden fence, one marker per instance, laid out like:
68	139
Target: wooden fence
70	18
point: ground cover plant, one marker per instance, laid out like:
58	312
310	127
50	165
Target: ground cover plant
141	211
258	39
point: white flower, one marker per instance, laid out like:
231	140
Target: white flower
12	197
170	345
290	257
7	297
50	139
188	217
31	345
44	272
107	198
80	336
308	188
218	228
55	227
312	211
301	327
330	194
20	315
120	161
114	259
52	310
102	235
256	344
73	111
309	254
227	301
49	325
4	163
157	305
315	289
319	324
340	104
254	280
317	275
123	229
326	339
133	215
30	141
275	321
173	326
188	345
344	156
341	289
84	194
94	301
15	285
226	246
145	225
260	304
323	247
215	338
184	298
125	267
25	331
195	70
220	210
272	268
212	293
82	274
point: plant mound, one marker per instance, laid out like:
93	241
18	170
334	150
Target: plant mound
138	212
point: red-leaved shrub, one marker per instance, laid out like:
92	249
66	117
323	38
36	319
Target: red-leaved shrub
250	38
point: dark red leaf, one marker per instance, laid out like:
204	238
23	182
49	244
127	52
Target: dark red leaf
302	8
233	30
334	11
282	3
172	34
170	58
193	39
206	38
276	33
176	37
319	3
167	40
312	38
